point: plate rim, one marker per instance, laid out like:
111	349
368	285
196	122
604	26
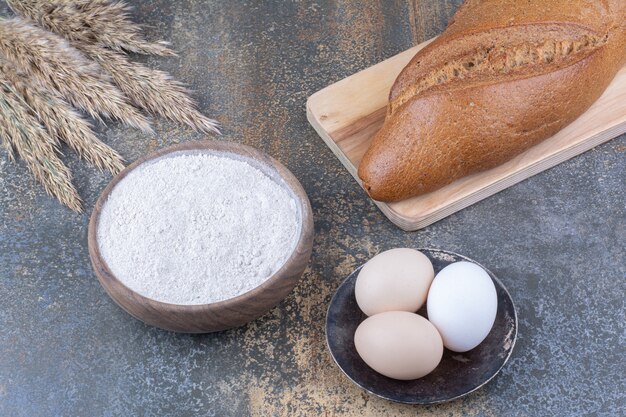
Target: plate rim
427	249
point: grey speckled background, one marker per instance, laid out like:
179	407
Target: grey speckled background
556	240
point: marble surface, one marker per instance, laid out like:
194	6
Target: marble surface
557	241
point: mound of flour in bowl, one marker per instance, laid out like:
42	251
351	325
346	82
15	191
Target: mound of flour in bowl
195	228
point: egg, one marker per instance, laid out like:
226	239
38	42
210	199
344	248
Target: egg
462	305
394	280
399	344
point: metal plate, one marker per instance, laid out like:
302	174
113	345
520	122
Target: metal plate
457	375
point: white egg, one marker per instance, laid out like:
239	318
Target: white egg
462	305
394	280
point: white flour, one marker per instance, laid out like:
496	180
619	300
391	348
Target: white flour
194	228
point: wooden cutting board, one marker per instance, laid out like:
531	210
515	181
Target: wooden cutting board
348	113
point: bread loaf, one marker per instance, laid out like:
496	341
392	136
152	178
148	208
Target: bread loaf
503	76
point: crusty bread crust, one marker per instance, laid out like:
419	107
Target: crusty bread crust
504	76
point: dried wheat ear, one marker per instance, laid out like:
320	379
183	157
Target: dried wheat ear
101	22
61	121
151	90
23	134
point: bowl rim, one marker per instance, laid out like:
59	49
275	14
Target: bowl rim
246	153
427	249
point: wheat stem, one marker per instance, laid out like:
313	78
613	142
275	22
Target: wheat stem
53	62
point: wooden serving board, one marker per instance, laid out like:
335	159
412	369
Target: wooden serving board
348	114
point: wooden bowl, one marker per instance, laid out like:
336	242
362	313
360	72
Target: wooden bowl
237	311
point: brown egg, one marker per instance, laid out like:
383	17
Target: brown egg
399	344
394	280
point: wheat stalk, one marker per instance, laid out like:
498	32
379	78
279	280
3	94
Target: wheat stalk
62	122
152	90
22	132
52	61
91	21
